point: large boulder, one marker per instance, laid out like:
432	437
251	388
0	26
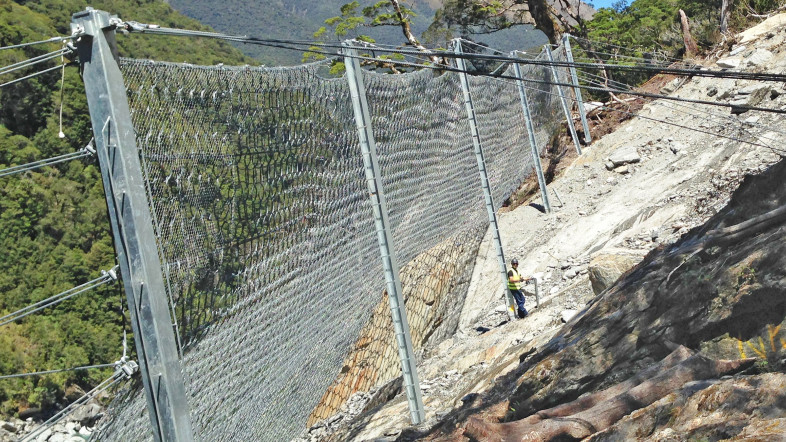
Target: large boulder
729	63
87	414
759	57
606	267
749	96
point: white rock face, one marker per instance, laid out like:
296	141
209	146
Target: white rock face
58	437
736	50
44	435
769	25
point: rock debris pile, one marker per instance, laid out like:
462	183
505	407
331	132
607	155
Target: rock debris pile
76	427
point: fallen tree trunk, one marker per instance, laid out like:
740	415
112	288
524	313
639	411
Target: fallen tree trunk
732	234
747	228
590	415
677	356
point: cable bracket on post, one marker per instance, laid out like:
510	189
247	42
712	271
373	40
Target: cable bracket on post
77	31
112	273
126	368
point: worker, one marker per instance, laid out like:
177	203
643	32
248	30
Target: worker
514	285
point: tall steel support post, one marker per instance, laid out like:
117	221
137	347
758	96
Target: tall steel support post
533	145
575	80
398	311
132	226
563	100
484	179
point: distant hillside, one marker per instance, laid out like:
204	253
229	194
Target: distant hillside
279	19
299	19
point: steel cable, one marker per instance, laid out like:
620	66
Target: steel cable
22	45
32	61
691	110
633	114
38	373
107	276
293	44
84	152
610	45
118	376
27	77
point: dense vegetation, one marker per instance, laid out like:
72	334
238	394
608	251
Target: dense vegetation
654	24
650	29
54	231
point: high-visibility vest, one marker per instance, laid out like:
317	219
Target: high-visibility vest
515	285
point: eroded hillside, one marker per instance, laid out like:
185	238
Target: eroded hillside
688	344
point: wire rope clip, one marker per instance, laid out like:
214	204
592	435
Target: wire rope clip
71	54
116	22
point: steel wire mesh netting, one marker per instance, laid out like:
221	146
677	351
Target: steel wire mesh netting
502	126
563	75
267	237
544	101
427	162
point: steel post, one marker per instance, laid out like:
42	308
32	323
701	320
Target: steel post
484	179
564	101
384	235
575	80
537	292
544	194
132	226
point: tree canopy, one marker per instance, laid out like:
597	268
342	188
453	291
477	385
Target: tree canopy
54	231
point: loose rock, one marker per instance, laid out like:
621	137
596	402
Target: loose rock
567	315
729	63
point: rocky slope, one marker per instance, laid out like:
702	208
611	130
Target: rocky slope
692	194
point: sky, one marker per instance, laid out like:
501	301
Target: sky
602	3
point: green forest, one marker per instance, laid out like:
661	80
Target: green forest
54	232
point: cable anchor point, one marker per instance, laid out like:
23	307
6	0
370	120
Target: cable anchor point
112	273
126	368
90	149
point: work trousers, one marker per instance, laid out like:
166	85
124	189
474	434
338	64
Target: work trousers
518	295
